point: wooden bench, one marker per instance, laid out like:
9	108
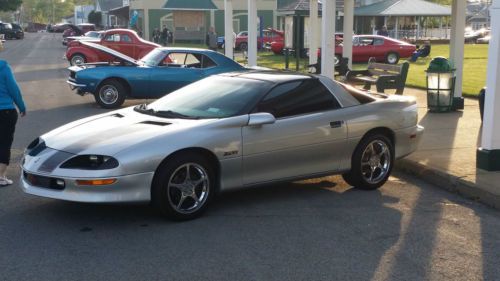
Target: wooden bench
384	76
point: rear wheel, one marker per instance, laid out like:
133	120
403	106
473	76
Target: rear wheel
243	46
183	187
392	58
111	94
372	163
77	59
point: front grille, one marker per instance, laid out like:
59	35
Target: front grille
44	182
72	74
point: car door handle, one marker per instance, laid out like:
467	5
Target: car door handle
336	124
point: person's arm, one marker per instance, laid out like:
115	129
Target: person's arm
14	91
207	40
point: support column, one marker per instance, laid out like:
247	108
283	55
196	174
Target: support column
441	27
488	155
396	30
328	38
212	18
145	32
252	33
228	29
313	32
457	47
348	30
417	35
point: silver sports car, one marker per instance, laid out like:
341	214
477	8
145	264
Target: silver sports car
225	131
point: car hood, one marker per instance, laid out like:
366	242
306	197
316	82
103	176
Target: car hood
111	52
110	133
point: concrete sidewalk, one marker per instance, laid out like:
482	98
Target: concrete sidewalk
447	154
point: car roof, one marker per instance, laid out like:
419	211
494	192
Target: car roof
269	75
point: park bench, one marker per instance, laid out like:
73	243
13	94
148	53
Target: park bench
384	76
340	70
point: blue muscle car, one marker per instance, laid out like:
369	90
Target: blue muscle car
160	72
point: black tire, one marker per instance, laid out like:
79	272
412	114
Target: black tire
338	58
358	174
167	199
243	46
392	58
77	59
111	94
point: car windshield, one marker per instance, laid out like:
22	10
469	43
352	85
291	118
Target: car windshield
94	34
213	97
153	58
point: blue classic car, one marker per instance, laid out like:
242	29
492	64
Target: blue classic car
158	73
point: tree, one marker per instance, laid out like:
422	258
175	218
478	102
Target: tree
95	18
9	5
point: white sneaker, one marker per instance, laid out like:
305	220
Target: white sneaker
5	182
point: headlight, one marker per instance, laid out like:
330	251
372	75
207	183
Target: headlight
90	162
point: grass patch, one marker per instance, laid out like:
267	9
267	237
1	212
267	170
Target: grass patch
474	76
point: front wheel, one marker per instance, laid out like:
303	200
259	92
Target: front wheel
77	59
183	187
111	94
371	163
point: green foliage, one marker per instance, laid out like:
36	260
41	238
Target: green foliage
9	5
95	18
50	11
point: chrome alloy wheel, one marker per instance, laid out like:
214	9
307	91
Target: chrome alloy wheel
392	58
77	60
188	188
375	162
108	94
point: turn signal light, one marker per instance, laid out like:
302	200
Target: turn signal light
96	182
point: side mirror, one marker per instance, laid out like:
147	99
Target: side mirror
262	118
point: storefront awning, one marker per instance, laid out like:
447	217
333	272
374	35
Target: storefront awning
191	5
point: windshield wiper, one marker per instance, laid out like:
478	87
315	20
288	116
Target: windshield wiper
142	108
173	114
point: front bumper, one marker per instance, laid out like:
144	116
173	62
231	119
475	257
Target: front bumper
127	188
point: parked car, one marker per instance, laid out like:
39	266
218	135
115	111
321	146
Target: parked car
225	131
160	72
18	31
484	40
93	36
58	28
11	30
277	46
382	49
125	41
269	35
86	27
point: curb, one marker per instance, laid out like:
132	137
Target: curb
448	182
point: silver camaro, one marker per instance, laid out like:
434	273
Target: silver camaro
225	131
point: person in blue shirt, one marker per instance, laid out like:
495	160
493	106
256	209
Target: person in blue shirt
10	97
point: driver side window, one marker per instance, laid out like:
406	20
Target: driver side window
112	38
297	98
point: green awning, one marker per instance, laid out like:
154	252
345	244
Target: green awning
190	5
403	8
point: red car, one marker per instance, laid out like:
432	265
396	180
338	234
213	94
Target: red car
125	41
269	35
277	46
383	49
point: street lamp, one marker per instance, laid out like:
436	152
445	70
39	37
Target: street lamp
440	85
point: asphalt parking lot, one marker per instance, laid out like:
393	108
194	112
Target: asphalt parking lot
318	229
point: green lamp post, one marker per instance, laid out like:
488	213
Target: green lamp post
440	85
